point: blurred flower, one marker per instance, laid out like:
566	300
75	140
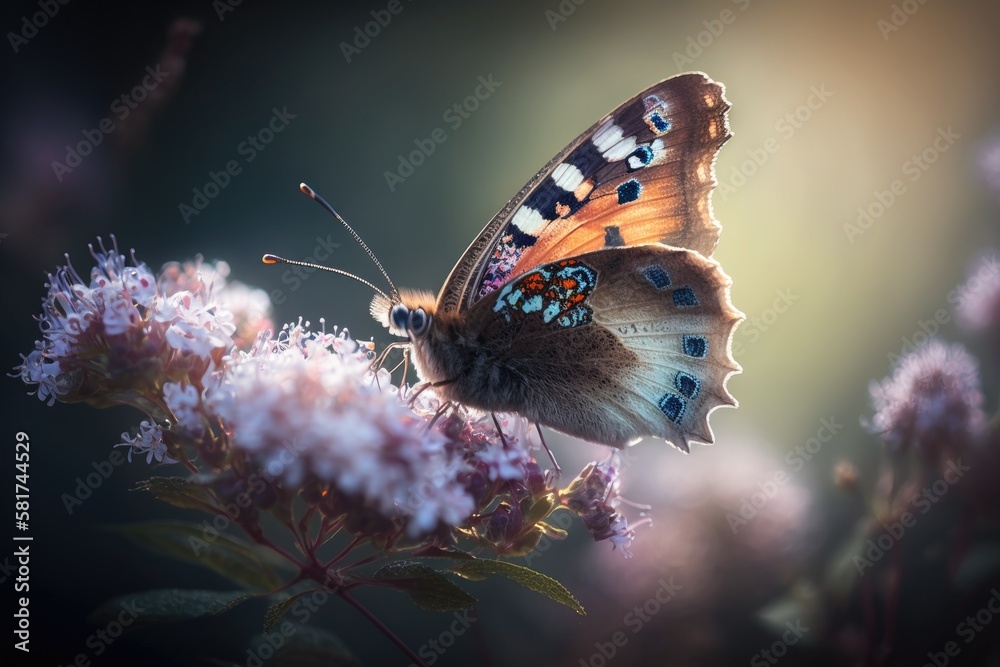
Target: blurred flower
845	475
932	402
979	298
718	517
989	162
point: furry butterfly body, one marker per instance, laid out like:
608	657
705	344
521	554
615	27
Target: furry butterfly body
590	303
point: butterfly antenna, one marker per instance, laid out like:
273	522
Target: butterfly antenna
274	259
357	237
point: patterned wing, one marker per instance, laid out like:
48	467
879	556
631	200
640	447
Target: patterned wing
616	344
642	174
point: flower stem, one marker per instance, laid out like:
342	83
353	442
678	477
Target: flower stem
374	620
336	559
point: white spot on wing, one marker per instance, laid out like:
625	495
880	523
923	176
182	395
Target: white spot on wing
659	152
567	177
528	220
620	150
606	137
658	155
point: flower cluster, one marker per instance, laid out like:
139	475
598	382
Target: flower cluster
298	415
932	402
593	496
307	410
119	337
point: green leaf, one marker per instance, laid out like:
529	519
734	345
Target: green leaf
178	492
541	509
229	556
276	611
552	531
526	543
428	588
304	646
477	569
165	605
438	552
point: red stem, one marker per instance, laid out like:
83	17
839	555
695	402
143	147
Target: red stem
374	620
336	559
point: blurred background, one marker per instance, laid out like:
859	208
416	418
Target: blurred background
861	189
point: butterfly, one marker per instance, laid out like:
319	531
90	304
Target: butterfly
590	303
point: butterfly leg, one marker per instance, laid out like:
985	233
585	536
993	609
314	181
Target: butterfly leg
380	360
448	405
552	457
496	422
425	386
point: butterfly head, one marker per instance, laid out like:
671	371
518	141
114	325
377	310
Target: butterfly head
408	316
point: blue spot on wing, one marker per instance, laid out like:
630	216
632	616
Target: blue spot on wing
659	122
656	276
629	191
575	317
687	384
642	154
673	406
696	346
684	297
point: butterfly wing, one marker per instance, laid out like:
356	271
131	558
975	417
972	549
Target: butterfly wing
642	174
611	345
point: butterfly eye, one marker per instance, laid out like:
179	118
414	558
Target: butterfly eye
400	316
418	321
